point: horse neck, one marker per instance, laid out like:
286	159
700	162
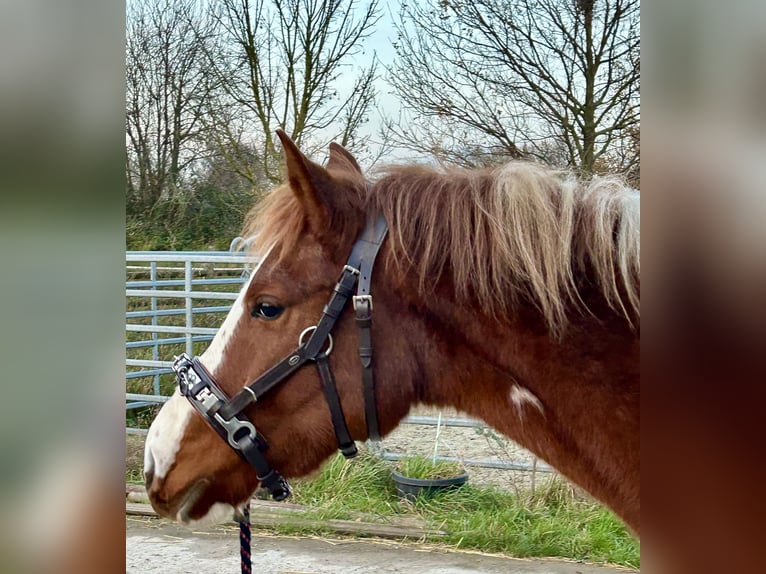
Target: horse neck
573	402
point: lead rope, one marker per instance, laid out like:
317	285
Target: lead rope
244	540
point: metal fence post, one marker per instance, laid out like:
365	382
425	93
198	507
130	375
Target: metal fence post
189	315
155	347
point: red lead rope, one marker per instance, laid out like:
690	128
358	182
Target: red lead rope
244	541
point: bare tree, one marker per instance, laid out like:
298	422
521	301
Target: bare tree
555	80
167	91
282	64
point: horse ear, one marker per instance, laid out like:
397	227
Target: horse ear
310	183
341	159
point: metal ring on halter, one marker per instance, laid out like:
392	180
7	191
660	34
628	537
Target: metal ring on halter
311	330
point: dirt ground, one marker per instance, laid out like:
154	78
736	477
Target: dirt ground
156	546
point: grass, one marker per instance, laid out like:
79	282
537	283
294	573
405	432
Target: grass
549	524
554	522
423	468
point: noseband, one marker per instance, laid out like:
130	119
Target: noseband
225	414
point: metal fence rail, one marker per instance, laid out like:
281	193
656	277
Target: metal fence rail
168	295
190	276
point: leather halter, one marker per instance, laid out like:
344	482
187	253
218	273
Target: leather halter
225	414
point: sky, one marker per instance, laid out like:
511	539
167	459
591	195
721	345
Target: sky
379	44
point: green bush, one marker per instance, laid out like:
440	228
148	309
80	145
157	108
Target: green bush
198	217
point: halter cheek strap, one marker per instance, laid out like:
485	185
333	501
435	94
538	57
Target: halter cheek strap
364	253
224	414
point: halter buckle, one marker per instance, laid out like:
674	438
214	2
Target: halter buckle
360	300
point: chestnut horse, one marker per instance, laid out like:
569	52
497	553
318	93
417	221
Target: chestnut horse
511	294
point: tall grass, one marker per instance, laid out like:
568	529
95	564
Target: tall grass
342	488
555	521
421	467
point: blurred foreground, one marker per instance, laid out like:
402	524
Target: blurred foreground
61	290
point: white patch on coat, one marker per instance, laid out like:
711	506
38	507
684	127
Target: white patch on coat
214	354
165	434
219	512
522	396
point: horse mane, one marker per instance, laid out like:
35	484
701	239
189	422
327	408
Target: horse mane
276	221
520	230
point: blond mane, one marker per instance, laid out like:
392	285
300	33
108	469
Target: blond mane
520	230
277	220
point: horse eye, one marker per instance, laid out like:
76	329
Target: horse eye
267	311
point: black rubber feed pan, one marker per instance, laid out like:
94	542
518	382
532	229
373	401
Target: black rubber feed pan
412	488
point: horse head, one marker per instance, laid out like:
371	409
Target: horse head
306	233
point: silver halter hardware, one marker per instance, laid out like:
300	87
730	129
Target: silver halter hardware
311	329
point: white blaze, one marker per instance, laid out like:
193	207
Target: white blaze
169	426
213	355
165	434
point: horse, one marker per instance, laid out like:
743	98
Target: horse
508	293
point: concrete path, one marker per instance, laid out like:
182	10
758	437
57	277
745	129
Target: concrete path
155	546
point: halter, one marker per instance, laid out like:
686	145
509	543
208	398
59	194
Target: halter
225	414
